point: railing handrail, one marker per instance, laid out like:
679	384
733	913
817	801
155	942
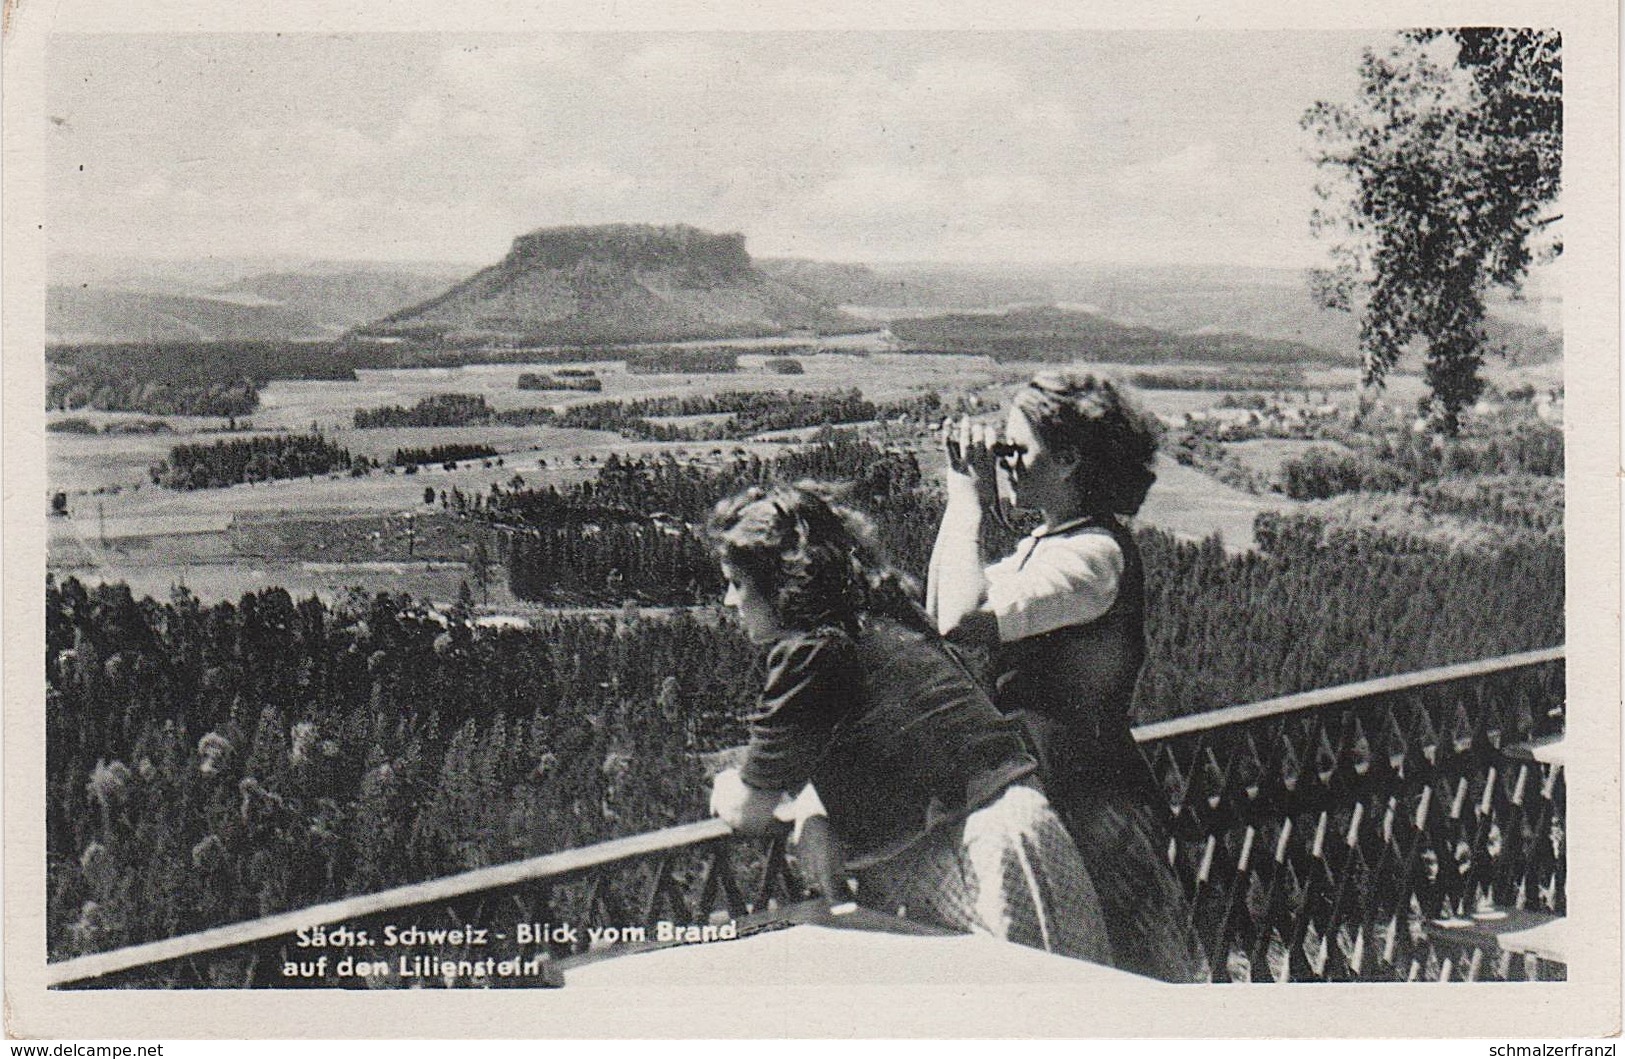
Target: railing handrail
1338	693
567	864
554	867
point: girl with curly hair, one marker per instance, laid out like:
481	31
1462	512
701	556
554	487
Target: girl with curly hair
925	786
1064	619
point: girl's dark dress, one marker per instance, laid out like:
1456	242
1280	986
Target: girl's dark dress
922	780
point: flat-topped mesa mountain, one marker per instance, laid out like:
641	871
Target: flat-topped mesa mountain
617	283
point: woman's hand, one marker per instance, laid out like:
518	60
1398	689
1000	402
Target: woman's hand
741	806
972	468
955	584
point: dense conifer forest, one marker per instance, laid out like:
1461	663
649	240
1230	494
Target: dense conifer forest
256	459
438	410
210	764
1323	601
1385	460
742	413
191	378
443	454
560	380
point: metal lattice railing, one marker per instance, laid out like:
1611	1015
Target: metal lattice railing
570	905
1339	835
1335	835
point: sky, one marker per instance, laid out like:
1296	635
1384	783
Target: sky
1098	147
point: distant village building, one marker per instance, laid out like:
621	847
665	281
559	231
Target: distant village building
1549	407
1274	420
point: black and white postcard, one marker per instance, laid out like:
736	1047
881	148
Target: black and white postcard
731	521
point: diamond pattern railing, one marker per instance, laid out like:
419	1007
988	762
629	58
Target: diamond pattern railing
578	903
1342	835
1337	835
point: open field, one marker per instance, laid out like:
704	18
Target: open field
316	537
1190	504
570	455
217	541
82	463
1266	455
295	405
436	584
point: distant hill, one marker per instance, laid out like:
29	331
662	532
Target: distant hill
618	283
1269	304
908	286
340	301
271	306
91	314
207	275
1264	303
1051	333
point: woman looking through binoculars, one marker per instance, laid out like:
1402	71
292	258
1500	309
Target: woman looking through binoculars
1063	617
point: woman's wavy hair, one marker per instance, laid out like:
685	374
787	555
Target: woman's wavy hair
1090	418
818	560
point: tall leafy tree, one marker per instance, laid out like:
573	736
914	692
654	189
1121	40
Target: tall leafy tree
1442	179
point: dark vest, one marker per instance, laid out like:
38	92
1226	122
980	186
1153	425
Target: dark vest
922	747
1072	688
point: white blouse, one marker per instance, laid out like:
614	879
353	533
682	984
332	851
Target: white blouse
1053	580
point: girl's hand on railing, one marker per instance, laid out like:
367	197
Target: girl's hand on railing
743	807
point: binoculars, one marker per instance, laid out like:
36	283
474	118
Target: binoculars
1002	450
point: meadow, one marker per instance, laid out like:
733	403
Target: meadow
147	536
121	526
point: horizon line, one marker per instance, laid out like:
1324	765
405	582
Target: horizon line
470	262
